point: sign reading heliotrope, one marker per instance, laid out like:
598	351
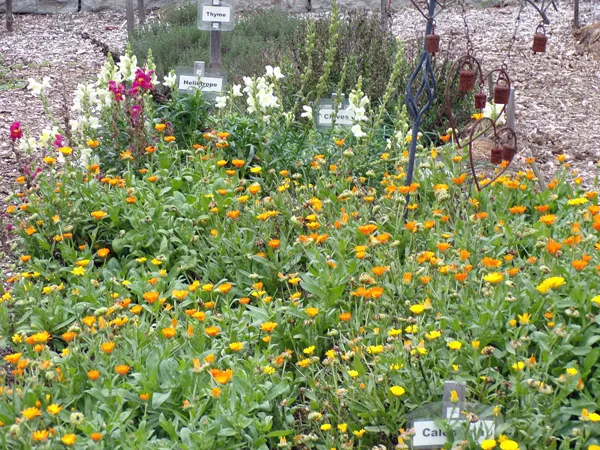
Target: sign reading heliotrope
206	84
211	82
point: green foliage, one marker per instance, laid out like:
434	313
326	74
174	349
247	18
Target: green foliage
257	40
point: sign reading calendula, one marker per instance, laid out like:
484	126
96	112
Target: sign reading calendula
430	435
430	422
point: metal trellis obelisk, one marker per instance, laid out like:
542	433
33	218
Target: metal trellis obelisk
427	87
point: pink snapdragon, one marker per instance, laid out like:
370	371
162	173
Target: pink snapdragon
142	81
117	89
15	131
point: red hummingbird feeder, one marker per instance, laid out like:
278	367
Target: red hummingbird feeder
432	42
497	155
539	40
466	77
501	91
480	100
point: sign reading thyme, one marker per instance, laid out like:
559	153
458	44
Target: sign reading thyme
327	116
430	422
216	15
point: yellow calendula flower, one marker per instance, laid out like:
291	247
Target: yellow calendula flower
550	283
494	278
454	345
577	201
417	309
397	391
488	444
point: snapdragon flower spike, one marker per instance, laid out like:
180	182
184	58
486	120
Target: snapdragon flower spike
118	90
135	112
15	131
142	81
58	141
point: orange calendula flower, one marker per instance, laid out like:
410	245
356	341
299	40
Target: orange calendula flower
103	252
151	296
367	229
221	376
517	209
548	219
312	312
107	347
69	439
553	247
268	326
212	331
122	369
98	215
31	413
169	139
13	358
169	332
96	436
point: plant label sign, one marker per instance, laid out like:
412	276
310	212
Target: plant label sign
216	15
211	82
205	84
327	116
430	435
427	420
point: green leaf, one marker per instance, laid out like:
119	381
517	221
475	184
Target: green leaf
159	398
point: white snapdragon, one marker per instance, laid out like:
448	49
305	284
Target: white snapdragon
237	90
84	156
28	145
274	72
171	80
36	88
492	111
308	111
127	67
93	123
358	104
48	136
357	131
261	91
221	102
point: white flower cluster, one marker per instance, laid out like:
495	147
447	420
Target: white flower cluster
260	92
37	88
358	104
492	111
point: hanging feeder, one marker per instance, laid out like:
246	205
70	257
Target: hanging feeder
432	42
540	40
466	77
501	91
497	155
480	100
508	153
